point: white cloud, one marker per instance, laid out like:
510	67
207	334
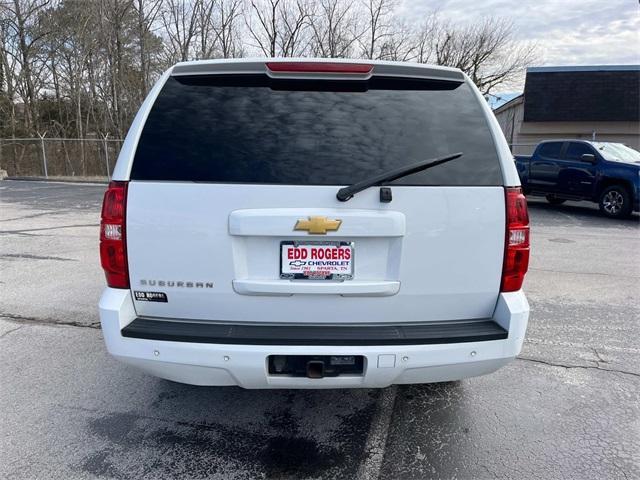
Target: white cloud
567	32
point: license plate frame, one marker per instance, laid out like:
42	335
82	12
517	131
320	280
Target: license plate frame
336	277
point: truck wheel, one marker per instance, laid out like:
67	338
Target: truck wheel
615	202
554	200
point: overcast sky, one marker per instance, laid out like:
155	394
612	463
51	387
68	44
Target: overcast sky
567	32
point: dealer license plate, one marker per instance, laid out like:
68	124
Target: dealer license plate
316	260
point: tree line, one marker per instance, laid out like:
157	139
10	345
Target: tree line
79	68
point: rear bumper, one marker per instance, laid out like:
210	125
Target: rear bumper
231	363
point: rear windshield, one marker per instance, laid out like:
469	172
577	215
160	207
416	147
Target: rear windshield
254	129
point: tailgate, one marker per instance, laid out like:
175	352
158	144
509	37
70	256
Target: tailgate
434	253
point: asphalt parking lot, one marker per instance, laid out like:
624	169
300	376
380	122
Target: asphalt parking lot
569	407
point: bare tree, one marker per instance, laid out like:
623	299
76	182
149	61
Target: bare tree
424	39
335	28
265	29
146	11
8	81
218	34
22	19
378	14
68	49
485	51
180	22
279	27
295	23
227	27
401	43
8	121
115	29
207	38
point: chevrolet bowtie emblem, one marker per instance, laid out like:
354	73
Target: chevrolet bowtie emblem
318	225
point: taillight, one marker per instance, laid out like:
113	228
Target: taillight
516	249
113	245
319	67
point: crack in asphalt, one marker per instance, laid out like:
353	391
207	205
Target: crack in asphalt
48	228
620	469
584	273
531	340
37	257
48	321
27	234
11	331
33	215
600	359
589	367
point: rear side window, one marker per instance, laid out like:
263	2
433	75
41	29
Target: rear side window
576	150
551	149
253	129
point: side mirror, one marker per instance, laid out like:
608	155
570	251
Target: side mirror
588	157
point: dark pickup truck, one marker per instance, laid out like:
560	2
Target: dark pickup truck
601	172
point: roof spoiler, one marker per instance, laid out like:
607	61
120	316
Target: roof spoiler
325	69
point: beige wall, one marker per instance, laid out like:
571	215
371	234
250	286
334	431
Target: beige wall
510	120
528	134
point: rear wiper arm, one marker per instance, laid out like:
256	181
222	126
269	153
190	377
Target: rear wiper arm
347	193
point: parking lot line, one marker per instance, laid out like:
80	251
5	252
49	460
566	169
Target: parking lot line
377	438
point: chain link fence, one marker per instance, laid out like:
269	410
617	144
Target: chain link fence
60	158
87	158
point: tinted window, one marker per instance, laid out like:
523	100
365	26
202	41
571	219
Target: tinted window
252	129
551	149
576	150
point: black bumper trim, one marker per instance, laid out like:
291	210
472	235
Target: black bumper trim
348	335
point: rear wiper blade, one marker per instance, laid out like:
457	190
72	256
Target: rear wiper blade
347	193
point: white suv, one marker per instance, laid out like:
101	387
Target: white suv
296	223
